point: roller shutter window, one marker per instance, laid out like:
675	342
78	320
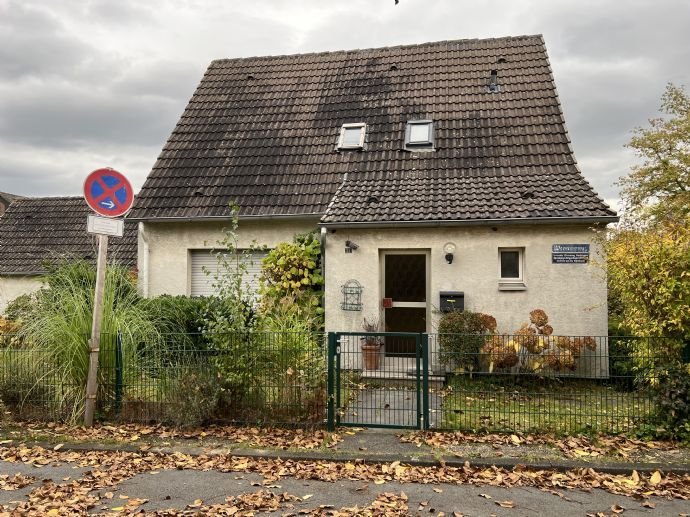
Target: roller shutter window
204	260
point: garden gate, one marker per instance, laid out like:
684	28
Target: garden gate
378	379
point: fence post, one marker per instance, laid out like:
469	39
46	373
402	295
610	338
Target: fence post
119	384
331	382
425	381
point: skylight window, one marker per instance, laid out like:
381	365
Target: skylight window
352	136
419	135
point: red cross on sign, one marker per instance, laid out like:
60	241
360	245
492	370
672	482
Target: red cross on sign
108	192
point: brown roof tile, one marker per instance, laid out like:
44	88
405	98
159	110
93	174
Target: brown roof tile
262	132
36	231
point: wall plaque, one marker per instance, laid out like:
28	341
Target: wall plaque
570	254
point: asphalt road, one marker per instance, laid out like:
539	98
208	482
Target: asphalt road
175	489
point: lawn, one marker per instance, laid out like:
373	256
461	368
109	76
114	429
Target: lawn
539	405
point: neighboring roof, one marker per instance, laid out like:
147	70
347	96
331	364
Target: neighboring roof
34	231
6	198
262	132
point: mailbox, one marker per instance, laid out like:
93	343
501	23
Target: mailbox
452	301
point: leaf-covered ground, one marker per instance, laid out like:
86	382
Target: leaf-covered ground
100	476
584	448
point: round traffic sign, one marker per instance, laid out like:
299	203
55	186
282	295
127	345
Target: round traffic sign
108	192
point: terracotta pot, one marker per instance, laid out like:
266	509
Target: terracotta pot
370	356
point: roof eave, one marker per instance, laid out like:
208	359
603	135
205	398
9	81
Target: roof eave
22	273
214	218
472	222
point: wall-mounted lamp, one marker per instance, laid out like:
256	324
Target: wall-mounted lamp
449	249
350	246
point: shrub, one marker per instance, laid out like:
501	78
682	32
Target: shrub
672	393
291	271
461	337
18	309
59	325
192	396
180	320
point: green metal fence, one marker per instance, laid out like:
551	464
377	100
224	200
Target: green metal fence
521	383
562	384
183	379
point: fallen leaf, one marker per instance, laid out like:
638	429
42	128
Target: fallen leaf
485	496
506	504
656	478
617	509
58	446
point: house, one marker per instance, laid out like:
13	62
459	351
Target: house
35	232
5	201
439	174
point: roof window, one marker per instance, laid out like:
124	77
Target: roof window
352	136
493	81
419	135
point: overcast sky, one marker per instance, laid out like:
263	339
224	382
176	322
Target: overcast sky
91	83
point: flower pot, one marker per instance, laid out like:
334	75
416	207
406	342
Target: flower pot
370	355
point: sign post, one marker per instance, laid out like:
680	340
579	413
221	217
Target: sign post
109	194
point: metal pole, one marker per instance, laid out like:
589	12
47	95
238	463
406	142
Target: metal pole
118	373
95	341
331	382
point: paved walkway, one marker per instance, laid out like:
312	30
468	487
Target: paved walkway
389	407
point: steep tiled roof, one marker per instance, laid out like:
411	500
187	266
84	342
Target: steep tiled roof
34	231
263	131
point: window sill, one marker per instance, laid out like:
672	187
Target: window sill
512	286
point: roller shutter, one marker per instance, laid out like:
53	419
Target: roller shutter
204	260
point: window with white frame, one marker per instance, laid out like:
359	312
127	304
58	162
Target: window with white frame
352	136
511	268
419	135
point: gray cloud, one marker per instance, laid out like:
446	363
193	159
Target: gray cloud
102	82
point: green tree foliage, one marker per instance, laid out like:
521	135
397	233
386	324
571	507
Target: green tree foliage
291	276
648	255
659	188
648	258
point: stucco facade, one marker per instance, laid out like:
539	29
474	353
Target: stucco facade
164	247
13	286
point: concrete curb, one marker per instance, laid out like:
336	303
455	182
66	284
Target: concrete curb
419	460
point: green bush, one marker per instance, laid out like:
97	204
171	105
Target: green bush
192	396
461	338
672	393
18	309
180	321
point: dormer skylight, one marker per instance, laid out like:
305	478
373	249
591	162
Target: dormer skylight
419	135
352	136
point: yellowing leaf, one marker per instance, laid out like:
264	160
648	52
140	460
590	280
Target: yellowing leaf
656	478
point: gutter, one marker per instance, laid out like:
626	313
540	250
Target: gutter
470	222
214	218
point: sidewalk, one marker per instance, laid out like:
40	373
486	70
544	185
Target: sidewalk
386	446
227	470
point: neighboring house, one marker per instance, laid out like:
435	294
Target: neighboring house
5	201
35	232
441	167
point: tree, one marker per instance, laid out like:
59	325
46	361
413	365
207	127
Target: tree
648	257
659	188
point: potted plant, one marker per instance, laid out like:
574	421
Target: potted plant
371	345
